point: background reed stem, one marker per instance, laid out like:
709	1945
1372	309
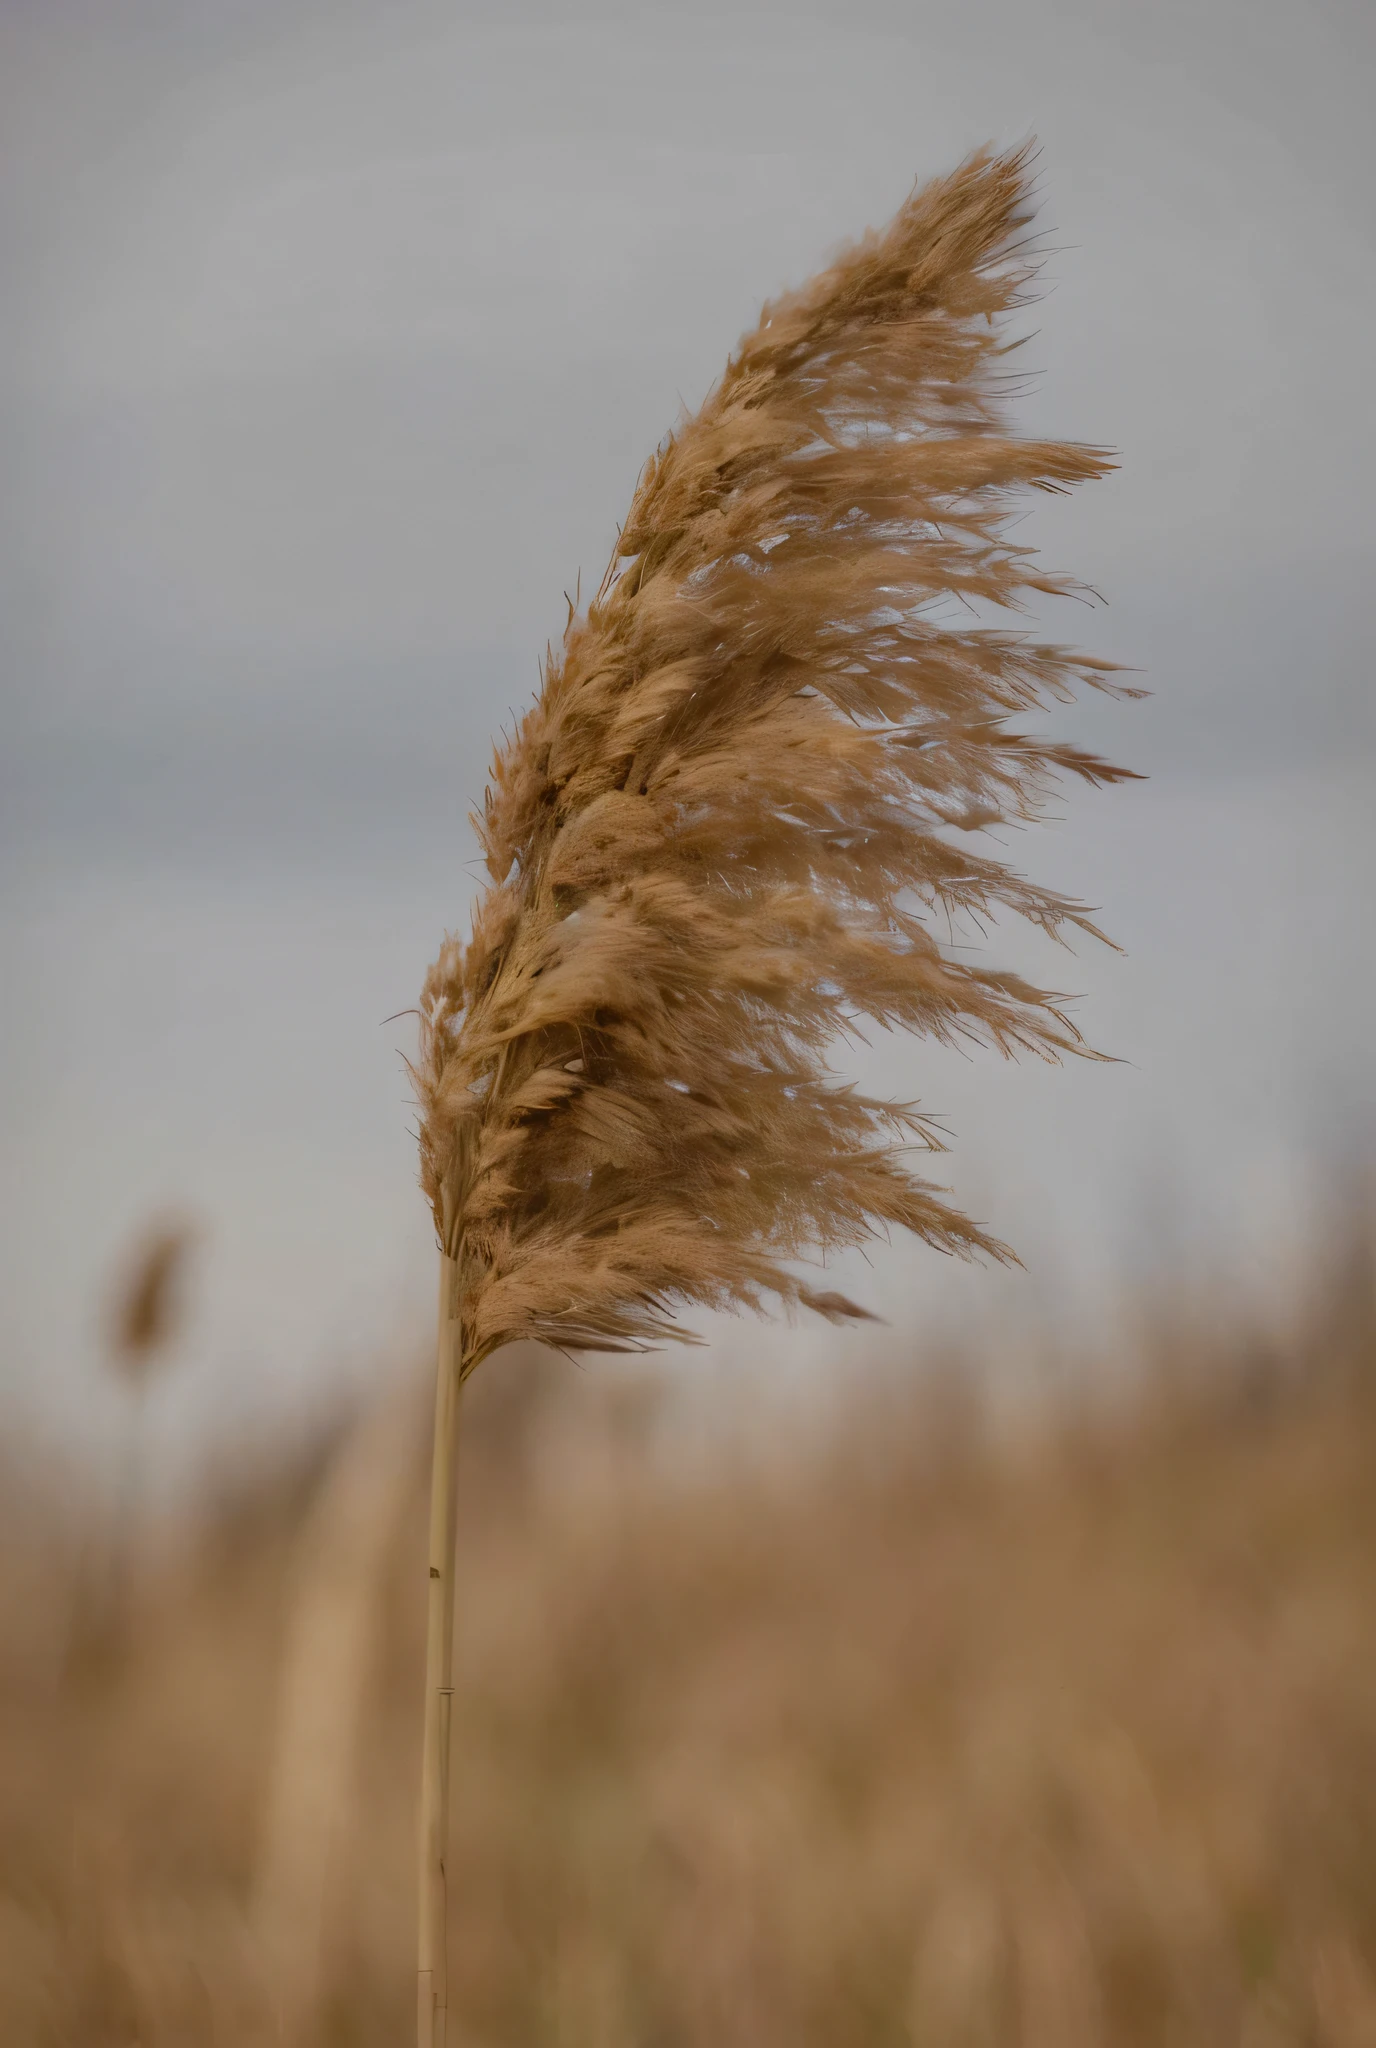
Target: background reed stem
303	1889
432	1987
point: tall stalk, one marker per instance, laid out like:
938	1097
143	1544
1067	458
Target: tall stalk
432	1978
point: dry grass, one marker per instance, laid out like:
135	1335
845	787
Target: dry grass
743	820
888	1740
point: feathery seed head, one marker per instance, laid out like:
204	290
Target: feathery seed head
719	839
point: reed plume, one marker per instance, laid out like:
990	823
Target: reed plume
724	836
145	1317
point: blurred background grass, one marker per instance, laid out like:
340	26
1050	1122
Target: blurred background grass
905	1729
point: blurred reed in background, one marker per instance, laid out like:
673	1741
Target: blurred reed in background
900	1735
143	1322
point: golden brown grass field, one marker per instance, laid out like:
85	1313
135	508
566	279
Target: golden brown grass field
890	1735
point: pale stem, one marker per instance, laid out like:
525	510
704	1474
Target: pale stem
432	1986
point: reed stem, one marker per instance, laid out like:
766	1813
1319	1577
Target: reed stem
432	1984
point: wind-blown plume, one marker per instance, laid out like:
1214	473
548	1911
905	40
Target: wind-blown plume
726	831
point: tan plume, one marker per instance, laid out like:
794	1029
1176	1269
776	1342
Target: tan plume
728	830
147	1313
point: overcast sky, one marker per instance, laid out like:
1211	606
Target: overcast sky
335	337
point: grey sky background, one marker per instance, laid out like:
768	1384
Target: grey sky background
334	340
